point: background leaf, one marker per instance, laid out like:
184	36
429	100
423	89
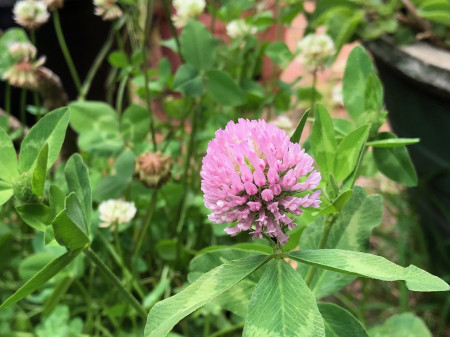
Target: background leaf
197	45
282	305
401	325
188	81
339	322
323	141
135	123
357	70
394	162
223	89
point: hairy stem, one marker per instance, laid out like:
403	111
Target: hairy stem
323	241
113	278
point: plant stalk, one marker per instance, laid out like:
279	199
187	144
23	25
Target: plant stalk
113	278
148	99
98	60
65	50
148	220
23	102
322	243
172	27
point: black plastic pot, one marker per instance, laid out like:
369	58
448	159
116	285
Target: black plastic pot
416	80
85	34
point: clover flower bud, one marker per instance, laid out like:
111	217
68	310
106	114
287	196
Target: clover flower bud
315	50
53	4
187	9
253	175
107	9
115	212
30	14
23	188
153	169
240	28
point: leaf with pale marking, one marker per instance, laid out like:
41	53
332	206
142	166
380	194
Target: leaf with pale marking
40	172
77	177
51	130
351	231
8	164
282	305
371	266
165	314
41	277
236	299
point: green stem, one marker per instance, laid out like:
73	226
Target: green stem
184	178
23	102
172	27
121	264
120	93
313	95
213	16
33	37
148	220
98	60
8	100
65	50
148	21
113	278
37	105
322	243
227	330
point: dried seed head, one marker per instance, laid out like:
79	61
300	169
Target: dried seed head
153	169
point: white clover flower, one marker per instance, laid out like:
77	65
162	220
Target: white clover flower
116	212
283	122
30	14
336	94
239	28
107	9
187	9
22	74
316	49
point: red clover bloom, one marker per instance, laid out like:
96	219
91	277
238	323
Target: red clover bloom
254	175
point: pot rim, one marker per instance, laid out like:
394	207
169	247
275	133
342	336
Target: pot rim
418	69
